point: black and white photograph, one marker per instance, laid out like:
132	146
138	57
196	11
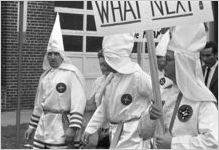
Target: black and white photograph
109	74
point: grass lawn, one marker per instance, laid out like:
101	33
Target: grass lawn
8	137
8	134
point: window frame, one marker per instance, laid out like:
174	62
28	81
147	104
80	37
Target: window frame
84	33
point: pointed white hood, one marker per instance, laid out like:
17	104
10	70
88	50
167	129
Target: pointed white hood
187	42
161	48
55	44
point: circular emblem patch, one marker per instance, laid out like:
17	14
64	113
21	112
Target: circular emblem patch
185	113
61	87
162	81
126	99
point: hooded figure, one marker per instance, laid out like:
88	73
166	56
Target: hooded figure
60	100
125	97
117	51
190	118
187	60
161	50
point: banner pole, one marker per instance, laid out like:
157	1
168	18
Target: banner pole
154	78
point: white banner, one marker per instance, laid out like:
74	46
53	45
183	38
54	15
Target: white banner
131	16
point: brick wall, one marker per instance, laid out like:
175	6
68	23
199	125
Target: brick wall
40	19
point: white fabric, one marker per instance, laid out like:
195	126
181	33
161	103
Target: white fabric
96	87
100	92
186	42
161	48
200	131
55	44
146	126
98	83
129	138
50	127
211	73
138	85
55	40
117	49
74	69
160	73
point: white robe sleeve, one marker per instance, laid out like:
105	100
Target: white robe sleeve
94	89
78	102
207	127
37	111
144	84
97	120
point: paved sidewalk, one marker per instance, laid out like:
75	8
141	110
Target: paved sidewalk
9	118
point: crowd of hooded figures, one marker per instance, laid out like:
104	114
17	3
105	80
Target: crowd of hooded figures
126	115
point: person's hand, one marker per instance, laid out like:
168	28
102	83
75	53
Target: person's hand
85	138
69	135
155	112
28	133
164	141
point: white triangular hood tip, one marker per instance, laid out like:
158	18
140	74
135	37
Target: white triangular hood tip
56	40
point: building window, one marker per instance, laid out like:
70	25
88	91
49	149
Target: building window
71	21
72	43
93	43
89	5
78	26
91	26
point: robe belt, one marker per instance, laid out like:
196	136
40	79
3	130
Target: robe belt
119	130
51	110
64	113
